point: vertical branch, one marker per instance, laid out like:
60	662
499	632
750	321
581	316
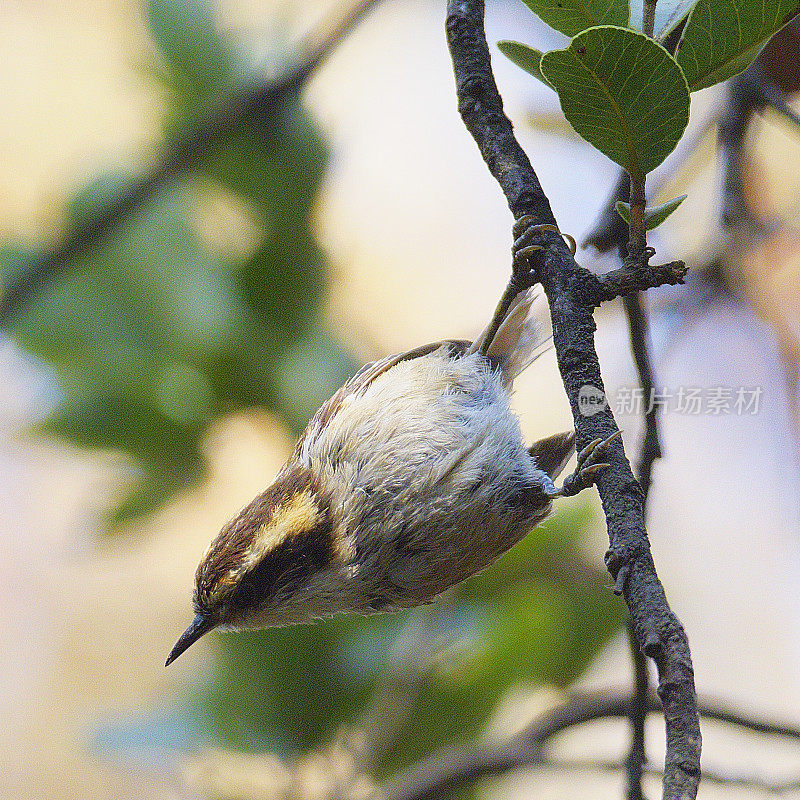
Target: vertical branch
649	452
637	241
571	293
637	716
650	449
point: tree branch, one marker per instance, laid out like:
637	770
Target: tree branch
649	452
252	100
718	776
637	716
629	560
454	767
636	277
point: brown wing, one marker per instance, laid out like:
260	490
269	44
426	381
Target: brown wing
364	377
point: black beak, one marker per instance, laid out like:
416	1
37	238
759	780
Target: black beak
200	626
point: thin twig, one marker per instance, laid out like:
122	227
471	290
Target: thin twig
632	277
456	766
649	18
637	231
650	450
658	631
252	100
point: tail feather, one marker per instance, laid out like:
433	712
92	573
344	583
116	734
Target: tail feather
551	454
522	336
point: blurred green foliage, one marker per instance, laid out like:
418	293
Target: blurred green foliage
153	335
536	617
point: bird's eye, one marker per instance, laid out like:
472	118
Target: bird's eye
244	595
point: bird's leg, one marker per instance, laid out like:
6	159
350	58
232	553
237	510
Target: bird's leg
523	272
588	464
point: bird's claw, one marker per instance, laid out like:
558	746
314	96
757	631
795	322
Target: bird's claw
588	466
526	235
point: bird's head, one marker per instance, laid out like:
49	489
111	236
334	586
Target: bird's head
274	563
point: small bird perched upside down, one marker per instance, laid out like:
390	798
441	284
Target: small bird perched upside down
411	478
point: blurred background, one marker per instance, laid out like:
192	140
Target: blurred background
157	382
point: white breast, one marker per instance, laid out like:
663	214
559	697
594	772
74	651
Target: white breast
425	467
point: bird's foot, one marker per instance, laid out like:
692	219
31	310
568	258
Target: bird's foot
528	241
589	464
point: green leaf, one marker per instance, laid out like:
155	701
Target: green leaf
654	216
623	93
168	455
573	16
722	37
523	56
668	14
197	57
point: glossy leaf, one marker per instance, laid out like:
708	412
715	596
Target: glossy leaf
573	16
722	37
523	56
623	93
654	216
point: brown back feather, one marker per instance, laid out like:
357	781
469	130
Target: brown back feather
359	383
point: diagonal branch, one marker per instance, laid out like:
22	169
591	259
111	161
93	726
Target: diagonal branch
458	766
649	453
188	149
629	560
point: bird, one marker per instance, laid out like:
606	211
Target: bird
412	477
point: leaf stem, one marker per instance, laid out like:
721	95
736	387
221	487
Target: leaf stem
637	233
649	18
